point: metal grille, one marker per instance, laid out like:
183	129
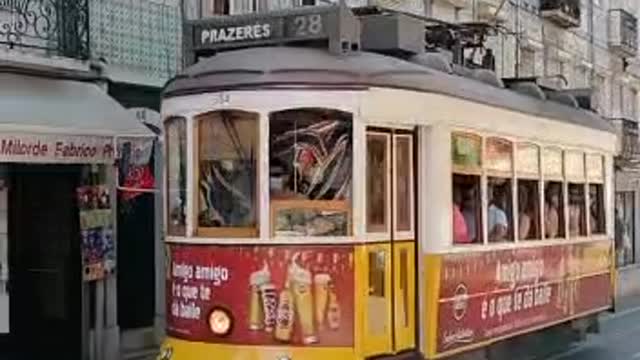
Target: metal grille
141	36
56	27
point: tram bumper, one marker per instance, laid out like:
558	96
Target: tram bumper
176	349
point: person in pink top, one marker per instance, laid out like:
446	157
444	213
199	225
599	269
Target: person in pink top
460	230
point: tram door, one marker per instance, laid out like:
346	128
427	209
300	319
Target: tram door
390	321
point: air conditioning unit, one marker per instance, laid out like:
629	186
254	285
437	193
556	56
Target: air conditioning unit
488	11
623	33
564	13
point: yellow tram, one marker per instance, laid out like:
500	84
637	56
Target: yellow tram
336	203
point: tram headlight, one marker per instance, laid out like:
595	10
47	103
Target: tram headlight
220	321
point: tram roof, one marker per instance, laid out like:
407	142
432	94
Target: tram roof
263	67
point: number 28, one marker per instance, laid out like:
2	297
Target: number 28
308	25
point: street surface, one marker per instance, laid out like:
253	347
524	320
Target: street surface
619	339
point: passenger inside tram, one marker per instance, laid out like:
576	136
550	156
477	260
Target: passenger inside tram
460	229
553	211
497	217
576	210
525	216
466	200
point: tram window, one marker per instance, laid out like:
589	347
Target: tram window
528	210
310	171
467	228
378	165
596	209
499	209
176	143
403	153
227	172
553	210
577	216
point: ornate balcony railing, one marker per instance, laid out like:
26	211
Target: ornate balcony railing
56	27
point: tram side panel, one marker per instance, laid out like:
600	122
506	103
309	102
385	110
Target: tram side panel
293	300
477	298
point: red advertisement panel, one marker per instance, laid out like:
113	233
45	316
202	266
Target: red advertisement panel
299	295
485	295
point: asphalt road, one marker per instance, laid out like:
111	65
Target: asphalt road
619	339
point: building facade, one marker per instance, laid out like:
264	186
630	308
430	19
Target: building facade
127	49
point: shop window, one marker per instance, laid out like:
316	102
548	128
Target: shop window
499	166
378	182
176	143
528	210
403	153
554	223
466	154
577	215
310	169
596	209
625	228
227	181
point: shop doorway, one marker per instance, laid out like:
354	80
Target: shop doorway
45	262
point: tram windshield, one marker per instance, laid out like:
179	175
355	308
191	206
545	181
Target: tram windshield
227	161
310	169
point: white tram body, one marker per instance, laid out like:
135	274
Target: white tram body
402	284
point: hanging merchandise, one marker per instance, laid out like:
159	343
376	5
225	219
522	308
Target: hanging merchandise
135	167
96	228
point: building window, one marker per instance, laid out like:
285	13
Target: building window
176	145
310	169
216	7
466	153
527	65
227	178
625	228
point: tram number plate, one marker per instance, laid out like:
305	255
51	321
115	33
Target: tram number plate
306	26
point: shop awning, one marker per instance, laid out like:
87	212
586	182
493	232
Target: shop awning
52	120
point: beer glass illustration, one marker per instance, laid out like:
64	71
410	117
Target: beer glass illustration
301	286
333	311
284	315
321	296
269	305
256	281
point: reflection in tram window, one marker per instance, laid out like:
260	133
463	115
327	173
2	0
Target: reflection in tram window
310	168
553	210
596	209
499	210
528	210
227	160
176	142
577	216
403	153
378	165
377	299
467	209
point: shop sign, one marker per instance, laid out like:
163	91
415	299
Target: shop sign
493	294
56	148
299	295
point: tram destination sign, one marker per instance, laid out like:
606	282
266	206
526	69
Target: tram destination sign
295	25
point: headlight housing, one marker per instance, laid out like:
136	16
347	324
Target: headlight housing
166	353
220	321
